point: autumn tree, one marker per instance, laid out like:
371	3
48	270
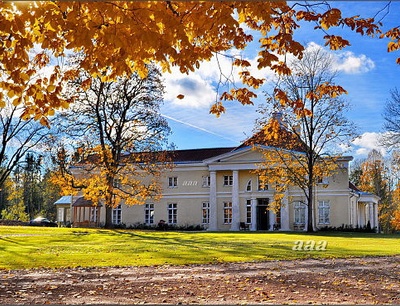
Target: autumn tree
356	171
119	135
50	193
28	191
19	137
395	218
119	38
25	196
306	149
13	202
377	177
29	175
391	138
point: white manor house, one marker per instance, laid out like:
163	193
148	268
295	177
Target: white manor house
218	189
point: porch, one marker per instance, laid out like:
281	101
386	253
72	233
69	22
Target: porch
85	213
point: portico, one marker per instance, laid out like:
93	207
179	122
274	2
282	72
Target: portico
237	165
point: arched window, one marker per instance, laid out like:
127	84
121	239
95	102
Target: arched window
248	186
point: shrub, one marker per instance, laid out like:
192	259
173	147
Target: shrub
349	228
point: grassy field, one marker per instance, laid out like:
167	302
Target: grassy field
34	247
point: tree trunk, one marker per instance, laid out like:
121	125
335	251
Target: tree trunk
108	223
109	203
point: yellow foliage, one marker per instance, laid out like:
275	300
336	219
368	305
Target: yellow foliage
284	169
395	222
330	18
101	179
217	109
121	37
371	170
336	42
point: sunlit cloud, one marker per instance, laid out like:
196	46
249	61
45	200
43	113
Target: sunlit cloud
347	61
367	142
197	92
203	87
350	63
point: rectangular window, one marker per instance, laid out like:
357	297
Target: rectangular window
172	181
60	217
68	215
227	212
116	215
117	183
93	214
206	213
322	180
299	213
262	185
149	214
206	181
323	212
228	180
248	211
172	213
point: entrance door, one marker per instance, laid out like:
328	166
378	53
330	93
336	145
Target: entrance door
262	215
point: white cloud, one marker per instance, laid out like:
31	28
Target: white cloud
350	63
198	92
347	61
200	88
368	142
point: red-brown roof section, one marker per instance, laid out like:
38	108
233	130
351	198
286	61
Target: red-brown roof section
282	139
197	155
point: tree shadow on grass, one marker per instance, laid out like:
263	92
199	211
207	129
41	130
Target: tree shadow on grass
192	249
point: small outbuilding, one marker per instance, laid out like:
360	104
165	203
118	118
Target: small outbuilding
63	207
84	212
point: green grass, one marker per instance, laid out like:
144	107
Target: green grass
34	247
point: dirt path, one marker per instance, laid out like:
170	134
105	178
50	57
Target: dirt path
340	281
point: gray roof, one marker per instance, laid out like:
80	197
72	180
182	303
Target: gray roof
63	200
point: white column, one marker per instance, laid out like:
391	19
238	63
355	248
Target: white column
213	202
364	215
253	214
285	213
272	218
370	216
376	218
354	212
235	202
350	209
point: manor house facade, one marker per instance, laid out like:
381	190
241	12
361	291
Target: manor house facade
218	189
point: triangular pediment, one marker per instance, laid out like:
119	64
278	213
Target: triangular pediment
241	155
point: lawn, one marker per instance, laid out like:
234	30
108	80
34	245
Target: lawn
34	247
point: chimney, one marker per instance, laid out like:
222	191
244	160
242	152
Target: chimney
278	117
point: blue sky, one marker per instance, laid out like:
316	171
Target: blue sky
366	70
